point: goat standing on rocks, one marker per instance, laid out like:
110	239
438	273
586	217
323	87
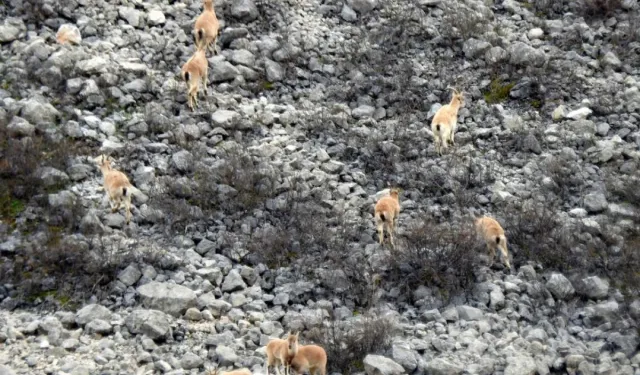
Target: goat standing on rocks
493	234
116	185
196	69
445	122
311	359
280	352
206	28
386	214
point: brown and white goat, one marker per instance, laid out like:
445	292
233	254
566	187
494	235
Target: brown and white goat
116	184
195	70
280	352
493	234
386	213
206	28
310	358
445	122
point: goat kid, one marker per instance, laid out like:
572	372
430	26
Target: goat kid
196	69
311	359
493	235
116	184
206	28
386	213
280	352
445	122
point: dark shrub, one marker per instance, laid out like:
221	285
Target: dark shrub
440	255
348	342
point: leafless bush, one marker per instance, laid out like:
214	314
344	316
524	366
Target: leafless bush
442	255
295	226
20	158
348	342
245	184
73	267
234	184
534	232
601	8
565	176
454	184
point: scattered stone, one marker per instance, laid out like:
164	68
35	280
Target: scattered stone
379	365
152	323
170	298
560	286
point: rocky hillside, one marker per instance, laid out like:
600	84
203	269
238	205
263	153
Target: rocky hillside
255	212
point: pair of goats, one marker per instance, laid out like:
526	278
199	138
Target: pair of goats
300	358
386	213
196	69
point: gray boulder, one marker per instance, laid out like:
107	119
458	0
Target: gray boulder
92	312
152	323
594	287
523	54
172	299
520	365
559	286
403	355
469	313
233	282
245	10
363	6
442	366
379	365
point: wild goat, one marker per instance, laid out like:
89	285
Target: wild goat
445	122
493	234
386	214
310	358
193	71
280	352
116	185
68	33
206	28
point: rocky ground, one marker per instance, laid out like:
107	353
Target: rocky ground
255	212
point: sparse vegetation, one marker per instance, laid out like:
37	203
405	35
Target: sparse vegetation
74	267
535	233
565	175
498	91
601	8
439	255
348	342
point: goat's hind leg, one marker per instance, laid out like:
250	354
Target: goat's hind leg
492	254
380	229
127	206
390	230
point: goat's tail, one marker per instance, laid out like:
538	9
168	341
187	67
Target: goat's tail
186	76
200	33
381	214
498	238
125	191
438	128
